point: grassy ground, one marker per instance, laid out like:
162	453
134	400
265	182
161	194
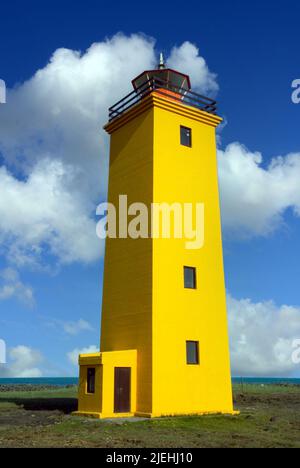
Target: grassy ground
270	417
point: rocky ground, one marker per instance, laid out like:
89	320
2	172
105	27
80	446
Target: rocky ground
7	388
270	417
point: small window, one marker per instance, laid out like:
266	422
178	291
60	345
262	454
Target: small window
186	136
190	280
192	352
91	373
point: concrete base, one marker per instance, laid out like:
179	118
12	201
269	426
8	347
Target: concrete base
150	415
197	413
86	414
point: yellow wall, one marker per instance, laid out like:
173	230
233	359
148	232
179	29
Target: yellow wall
188	175
90	403
127	296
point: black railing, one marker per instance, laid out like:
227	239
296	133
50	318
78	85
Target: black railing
184	96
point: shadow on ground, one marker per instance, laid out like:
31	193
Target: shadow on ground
64	405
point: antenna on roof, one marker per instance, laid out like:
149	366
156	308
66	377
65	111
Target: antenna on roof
161	65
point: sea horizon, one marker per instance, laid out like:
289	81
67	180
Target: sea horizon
64	381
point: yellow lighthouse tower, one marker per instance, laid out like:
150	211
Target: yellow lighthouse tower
164	339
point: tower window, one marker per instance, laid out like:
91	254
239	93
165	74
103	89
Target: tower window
91	377
186	136
190	278
192	352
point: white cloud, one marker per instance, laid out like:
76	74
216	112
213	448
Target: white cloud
262	337
24	362
254	198
43	210
73	355
12	286
74	328
186	59
50	130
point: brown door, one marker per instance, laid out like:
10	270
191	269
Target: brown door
122	389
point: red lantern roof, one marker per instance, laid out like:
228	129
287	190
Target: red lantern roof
165	75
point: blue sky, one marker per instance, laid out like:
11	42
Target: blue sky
50	294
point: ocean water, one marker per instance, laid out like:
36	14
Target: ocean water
265	381
63	381
58	381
